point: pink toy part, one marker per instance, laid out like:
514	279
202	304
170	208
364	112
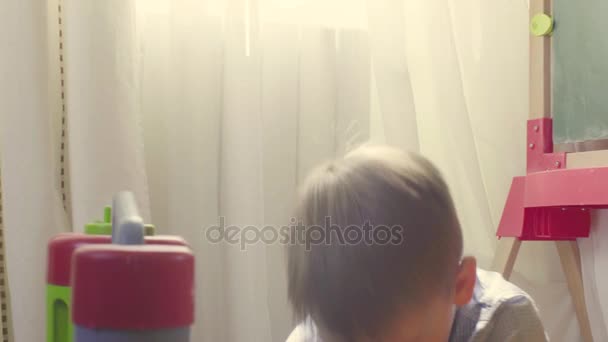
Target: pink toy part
551	202
62	247
540	156
512	220
165	240
60	250
575	187
136	288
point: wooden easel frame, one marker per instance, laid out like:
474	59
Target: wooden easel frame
540	107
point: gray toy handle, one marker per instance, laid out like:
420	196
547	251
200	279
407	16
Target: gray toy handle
127	225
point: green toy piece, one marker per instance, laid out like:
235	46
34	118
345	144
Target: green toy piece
541	25
107	214
101	227
58	299
105	227
149	229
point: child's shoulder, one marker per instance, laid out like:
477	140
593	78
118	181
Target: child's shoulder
305	332
493	290
505	312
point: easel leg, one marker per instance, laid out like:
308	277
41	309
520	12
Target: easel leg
506	254
570	258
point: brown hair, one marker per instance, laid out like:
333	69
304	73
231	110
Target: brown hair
354	289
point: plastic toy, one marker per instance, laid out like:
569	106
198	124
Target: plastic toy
105	227
58	291
129	291
59	283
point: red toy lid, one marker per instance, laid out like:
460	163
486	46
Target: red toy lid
61	248
133	287
165	240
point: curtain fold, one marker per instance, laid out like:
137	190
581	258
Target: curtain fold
241	191
393	85
105	134
279	123
31	196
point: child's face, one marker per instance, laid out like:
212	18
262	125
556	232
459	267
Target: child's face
433	321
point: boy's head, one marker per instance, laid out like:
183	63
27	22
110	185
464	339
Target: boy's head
365	286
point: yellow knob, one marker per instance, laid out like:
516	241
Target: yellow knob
541	25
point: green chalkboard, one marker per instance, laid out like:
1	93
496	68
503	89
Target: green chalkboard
580	71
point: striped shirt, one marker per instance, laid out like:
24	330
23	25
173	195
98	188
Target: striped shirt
499	311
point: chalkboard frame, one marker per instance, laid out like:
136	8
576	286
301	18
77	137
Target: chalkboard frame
582	146
585	154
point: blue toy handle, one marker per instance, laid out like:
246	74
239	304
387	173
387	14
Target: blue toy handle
128	226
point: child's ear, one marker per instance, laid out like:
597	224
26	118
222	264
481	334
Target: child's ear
465	281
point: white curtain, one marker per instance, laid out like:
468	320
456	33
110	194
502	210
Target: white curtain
210	109
30	110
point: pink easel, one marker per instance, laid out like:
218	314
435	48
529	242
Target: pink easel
553	201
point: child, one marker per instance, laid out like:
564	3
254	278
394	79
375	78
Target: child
402	276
